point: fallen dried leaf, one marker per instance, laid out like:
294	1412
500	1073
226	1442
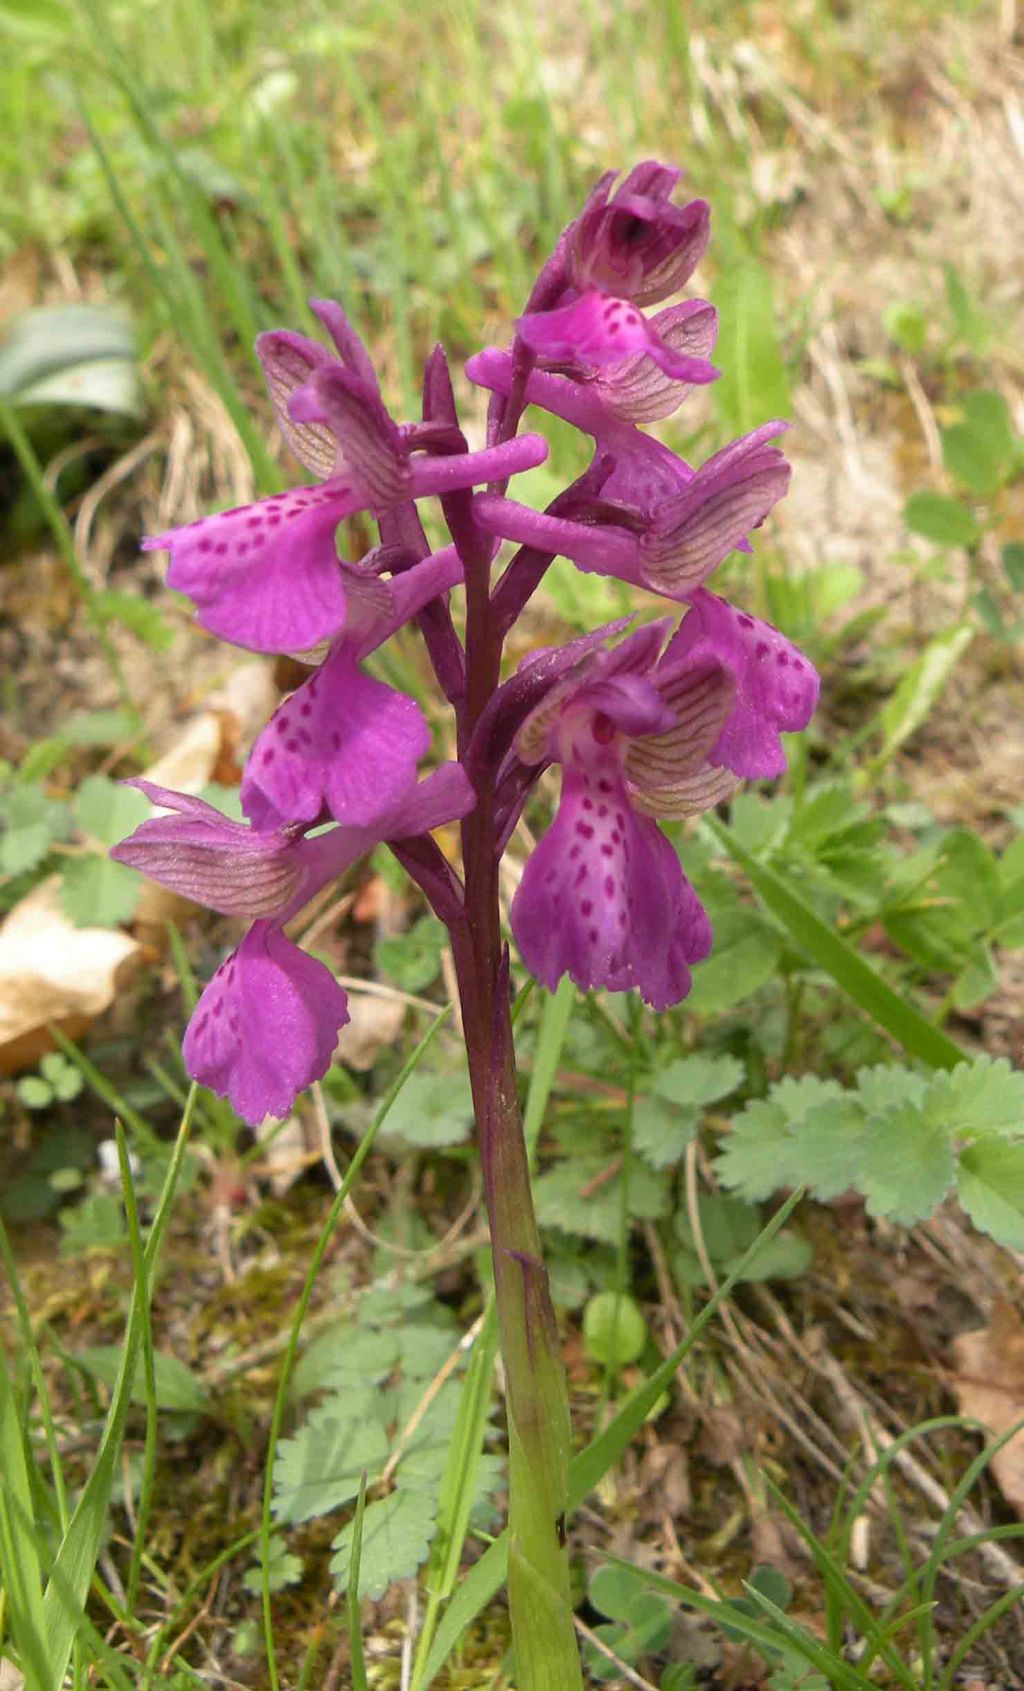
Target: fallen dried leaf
989	1386
51	971
373	1023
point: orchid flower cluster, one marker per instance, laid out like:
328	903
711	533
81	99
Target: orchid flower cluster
647	723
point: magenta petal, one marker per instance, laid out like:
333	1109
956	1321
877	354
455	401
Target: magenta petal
290	360
596	328
343	742
205	856
266	1026
603	898
266	576
776	686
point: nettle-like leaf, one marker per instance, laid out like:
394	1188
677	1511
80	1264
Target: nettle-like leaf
905	1164
990	1186
283	1567
755	1160
585	1196
396	1538
983	1096
432	1110
322	1466
667	1117
32	822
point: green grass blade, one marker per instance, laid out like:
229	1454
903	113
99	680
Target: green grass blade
888	1009
72	1571
554	1025
148	1370
486	1577
19	1557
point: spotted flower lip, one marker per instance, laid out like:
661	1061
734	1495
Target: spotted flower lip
597	330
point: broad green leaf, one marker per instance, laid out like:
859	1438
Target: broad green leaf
941	519
396	1539
827	1147
413	959
96	892
667	1118
662	1131
614	1329
71	355
32	822
753	384
889	1083
176	1386
433	1110
100	728
745	957
786	1257
977	980
968	454
916	694
969	871
830	951
584	1196
906	1164
728	1225
982	1096
990	1185
758	1156
320	1468
107	810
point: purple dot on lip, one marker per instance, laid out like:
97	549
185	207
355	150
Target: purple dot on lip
592	936
586	907
781	659
574	853
761	649
588	804
218	1008
607	850
291	745
206	545
336	739
220	548
254	522
307	709
267	756
609	886
280	726
604	786
602	810
745	621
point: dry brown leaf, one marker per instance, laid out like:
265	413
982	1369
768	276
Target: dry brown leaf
989	1386
51	971
373	1023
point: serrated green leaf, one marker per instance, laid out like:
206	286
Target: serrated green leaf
396	1539
413	959
941	519
889	1083
32	822
662	1131
432	1110
983	1096
320	1468
828	1146
107	810
284	1569
906	1164
576	1199
96	892
698	1080
757	1158
990	1185
176	1386
343	1352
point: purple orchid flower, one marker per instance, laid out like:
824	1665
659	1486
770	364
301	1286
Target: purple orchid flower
776	686
344	744
673	551
628	248
603	898
267	576
266	1025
